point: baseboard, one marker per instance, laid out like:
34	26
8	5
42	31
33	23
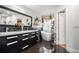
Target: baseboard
72	50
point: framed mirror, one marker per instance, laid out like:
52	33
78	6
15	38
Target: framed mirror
10	17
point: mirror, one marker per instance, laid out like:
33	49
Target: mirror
8	17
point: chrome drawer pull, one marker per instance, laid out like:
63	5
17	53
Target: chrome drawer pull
25	34
24	39
25	47
11	43
32	36
12	37
33	33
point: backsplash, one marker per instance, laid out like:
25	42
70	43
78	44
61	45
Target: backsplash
2	29
9	28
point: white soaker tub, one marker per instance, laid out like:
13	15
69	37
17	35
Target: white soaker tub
46	35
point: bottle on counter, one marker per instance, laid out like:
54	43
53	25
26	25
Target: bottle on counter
20	24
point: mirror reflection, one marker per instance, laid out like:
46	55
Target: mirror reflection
10	18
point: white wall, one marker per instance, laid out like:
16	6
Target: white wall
72	27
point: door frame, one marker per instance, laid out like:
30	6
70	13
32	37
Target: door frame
62	11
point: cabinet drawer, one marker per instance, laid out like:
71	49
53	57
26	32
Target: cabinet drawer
12	48
33	33
24	39
11	38
26	46
25	35
25	42
12	43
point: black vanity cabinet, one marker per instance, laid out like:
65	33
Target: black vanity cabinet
10	44
28	40
0	44
17	43
25	41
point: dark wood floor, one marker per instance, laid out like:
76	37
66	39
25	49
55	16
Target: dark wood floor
45	47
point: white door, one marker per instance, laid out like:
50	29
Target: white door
61	29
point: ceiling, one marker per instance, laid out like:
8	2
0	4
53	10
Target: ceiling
41	9
38	10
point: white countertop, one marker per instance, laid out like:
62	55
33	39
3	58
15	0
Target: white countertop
16	32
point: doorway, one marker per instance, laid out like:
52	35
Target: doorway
62	28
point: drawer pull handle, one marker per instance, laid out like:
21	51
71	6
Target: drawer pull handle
25	47
24	39
25	34
32	36
33	33
12	37
11	43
